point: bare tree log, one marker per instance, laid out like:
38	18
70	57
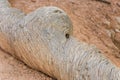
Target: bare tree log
8	17
43	40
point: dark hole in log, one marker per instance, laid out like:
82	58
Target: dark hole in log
67	36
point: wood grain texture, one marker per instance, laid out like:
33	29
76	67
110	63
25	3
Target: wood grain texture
39	40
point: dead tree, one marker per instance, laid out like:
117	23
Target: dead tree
43	40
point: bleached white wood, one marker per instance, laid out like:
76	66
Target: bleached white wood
43	40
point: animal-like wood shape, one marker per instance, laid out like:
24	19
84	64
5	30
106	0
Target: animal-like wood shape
43	40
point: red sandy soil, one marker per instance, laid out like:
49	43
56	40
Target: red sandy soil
94	22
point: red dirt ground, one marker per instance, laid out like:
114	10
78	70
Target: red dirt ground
94	22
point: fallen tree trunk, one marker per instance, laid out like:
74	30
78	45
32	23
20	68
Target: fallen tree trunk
43	40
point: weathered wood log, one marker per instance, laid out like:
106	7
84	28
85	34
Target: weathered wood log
43	40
